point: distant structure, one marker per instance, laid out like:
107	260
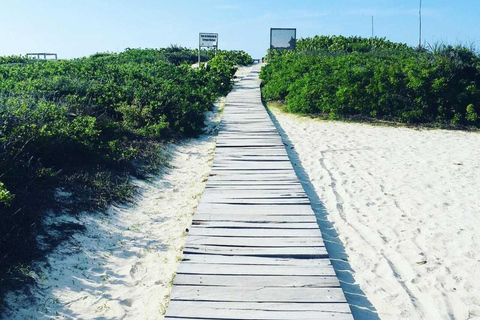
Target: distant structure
42	54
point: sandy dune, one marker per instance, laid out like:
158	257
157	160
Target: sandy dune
406	204
122	265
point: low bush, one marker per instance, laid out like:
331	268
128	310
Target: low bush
378	79
340	44
238	56
15	59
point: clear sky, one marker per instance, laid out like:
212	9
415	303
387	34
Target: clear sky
74	28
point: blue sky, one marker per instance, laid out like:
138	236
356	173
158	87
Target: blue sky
83	27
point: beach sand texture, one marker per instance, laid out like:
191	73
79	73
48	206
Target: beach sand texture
406	204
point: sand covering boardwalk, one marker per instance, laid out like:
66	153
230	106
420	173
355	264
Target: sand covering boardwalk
254	250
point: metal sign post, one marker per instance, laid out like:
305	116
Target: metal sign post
283	39
207	40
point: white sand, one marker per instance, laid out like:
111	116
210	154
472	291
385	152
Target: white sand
406	204
122	266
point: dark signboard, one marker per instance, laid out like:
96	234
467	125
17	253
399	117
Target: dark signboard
283	38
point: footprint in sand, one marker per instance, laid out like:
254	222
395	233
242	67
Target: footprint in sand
127	302
138	271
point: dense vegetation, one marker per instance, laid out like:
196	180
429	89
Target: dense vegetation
347	44
342	77
15	59
178	55
85	126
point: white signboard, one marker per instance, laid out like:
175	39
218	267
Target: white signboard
209	40
283	38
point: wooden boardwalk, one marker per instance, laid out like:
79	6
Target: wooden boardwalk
254	250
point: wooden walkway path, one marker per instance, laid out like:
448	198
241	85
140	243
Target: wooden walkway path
254	250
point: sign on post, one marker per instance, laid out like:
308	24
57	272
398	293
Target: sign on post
207	40
283	38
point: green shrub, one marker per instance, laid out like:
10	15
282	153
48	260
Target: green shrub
15	60
86	125
5	196
222	71
340	44
237	57
342	77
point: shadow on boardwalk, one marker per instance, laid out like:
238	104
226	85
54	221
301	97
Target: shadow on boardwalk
362	308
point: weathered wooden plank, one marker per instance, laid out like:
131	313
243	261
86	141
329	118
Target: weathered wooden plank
240	137
244	177
248	153
274	270
241	281
268	233
269	199
264	132
290	252
257	201
245	260
253	165
255	184
256	241
220	177
254	218
303	294
227	159
243	313
272	306
249	142
229	194
234	154
256	193
266	172
280	150
252	178
254	209
283	188
253	172
255	225
269	175
267	163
